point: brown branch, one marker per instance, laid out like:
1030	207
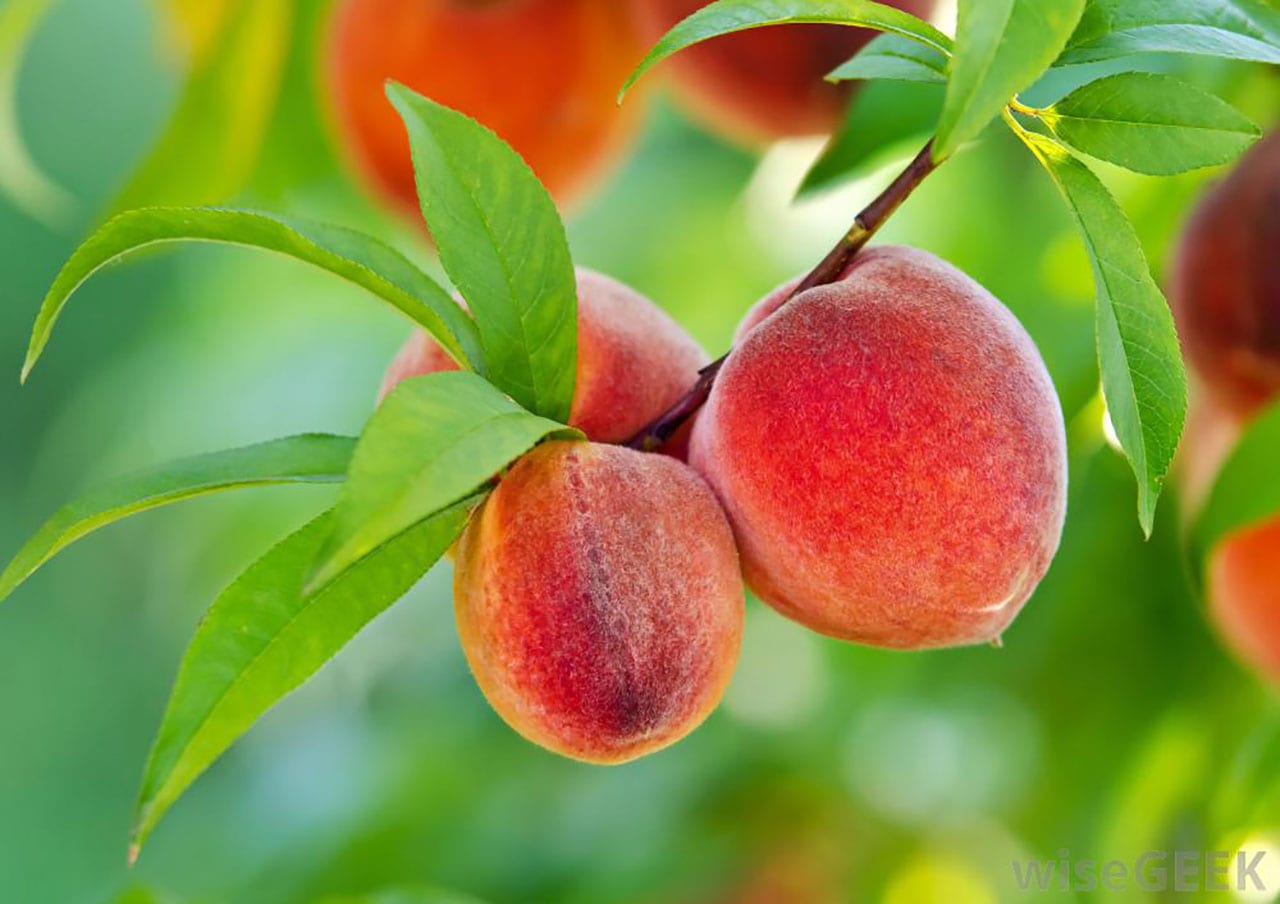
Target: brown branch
831	268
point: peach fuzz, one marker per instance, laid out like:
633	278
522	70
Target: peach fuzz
767	83
633	360
543	74
599	600
1225	286
892	456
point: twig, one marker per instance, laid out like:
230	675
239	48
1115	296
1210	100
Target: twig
832	267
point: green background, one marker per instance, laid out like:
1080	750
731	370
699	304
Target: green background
1111	723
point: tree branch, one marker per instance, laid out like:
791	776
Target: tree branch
831	268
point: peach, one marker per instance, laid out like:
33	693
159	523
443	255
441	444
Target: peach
766	83
543	74
891	454
633	360
1243	589
599	600
1225	288
1241	578
763	308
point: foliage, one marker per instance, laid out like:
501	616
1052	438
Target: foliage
424	459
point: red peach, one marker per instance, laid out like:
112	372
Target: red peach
633	360
599	600
543	74
1243	589
765	83
1225	288
891	454
1242	583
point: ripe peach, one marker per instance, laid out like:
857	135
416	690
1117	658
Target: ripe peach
1243	589
1225	288
543	74
891	455
599	600
761	310
633	360
1242	583
766	83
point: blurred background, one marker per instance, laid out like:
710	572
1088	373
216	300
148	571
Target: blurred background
1111	722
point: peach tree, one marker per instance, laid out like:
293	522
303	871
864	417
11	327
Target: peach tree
445	455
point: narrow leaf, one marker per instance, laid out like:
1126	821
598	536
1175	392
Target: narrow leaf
214	137
503	245
1247	489
433	441
887	122
895	58
313	458
263	637
1151	124
1002	46
728	16
1143	379
21	179
351	255
1235	29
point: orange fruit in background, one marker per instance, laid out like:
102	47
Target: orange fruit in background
543	74
1243	587
765	83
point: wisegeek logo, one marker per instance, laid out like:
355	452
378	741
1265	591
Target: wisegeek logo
1153	871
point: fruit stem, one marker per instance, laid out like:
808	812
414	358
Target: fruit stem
829	270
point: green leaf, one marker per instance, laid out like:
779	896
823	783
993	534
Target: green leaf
313	458
1236	29
1143	379
21	179
433	441
214	137
1247	489
728	16
886	122
351	255
263	637
895	58
503	245
1002	46
1151	124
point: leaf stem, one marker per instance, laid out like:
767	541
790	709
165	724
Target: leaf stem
829	270
1018	106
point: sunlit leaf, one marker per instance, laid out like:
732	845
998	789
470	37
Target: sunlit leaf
1143	378
887	121
1236	29
1151	124
351	255
263	637
212	140
503	245
433	441
895	58
1002	46
312	458
728	16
